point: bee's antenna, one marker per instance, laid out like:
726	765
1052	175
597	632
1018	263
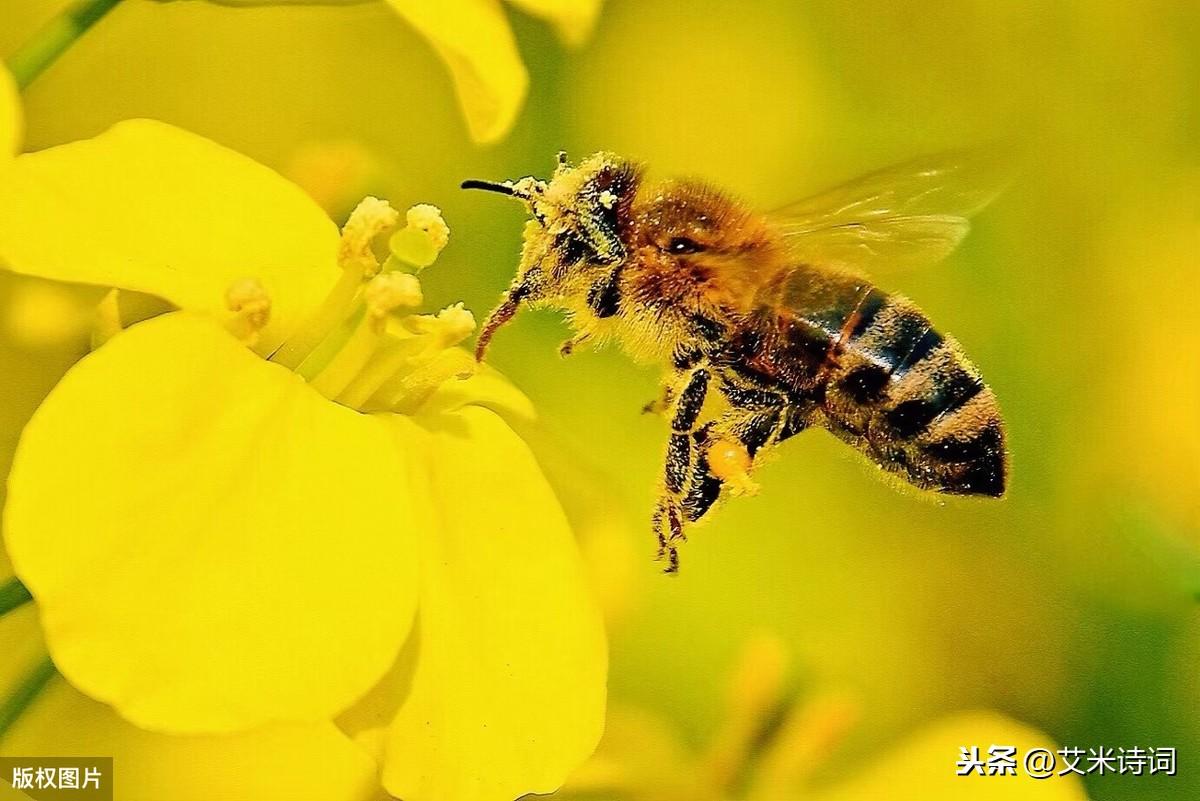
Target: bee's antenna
488	186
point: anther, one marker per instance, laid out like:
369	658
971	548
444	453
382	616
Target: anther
422	238
251	307
428	218
390	291
370	218
415	367
446	329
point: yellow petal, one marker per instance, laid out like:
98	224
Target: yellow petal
614	547
293	762
150	207
11	125
507	694
923	768
212	544
473	38
574	19
42	315
486	387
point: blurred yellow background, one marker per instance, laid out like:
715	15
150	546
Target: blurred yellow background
1072	604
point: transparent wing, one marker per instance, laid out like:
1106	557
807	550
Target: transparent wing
907	215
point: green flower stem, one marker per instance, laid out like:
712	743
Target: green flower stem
53	39
13	594
24	693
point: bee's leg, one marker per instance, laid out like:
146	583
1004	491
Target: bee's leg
568	347
663	402
687	404
668	527
736	439
721	458
685	359
703	486
669	515
759	417
725	449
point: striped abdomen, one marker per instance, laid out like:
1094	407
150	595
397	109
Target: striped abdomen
894	387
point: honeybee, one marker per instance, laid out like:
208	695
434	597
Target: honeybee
765	323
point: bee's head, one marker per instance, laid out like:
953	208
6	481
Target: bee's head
693	223
579	218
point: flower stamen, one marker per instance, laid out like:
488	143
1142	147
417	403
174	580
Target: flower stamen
411	389
354	350
383	295
420	241
444	330
251	307
390	291
430	359
370	219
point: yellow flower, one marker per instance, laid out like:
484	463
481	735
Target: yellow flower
215	545
768	748
474	40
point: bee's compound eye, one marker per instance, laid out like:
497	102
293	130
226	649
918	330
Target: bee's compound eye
681	244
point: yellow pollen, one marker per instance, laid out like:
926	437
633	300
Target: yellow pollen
527	186
421	240
428	218
370	218
251	307
446	329
390	291
458	323
730	461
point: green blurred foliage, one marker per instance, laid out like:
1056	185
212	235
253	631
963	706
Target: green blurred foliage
1071	604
